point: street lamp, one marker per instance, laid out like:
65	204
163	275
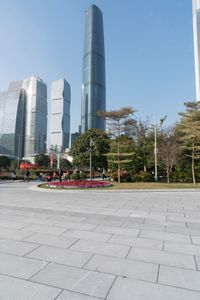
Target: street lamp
90	150
155	128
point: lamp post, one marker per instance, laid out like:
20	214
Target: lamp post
155	127
90	149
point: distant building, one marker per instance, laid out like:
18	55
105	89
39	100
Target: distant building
196	31
93	80
23	118
60	114
74	137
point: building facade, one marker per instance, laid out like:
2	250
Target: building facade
36	116
23	118
196	33
93	93
60	114
12	120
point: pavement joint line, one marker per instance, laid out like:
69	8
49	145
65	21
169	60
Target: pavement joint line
58	294
27	237
196	262
91	257
158	273
29	279
178	287
73	244
38	246
111	287
130	247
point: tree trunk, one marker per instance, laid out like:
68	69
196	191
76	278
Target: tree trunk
145	168
193	173
167	176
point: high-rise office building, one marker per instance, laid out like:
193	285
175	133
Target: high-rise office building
93	81
23	118
12	120
196	32
36	116
60	114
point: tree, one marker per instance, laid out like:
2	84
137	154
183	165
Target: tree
42	160
143	144
81	149
168	151
189	133
119	122
4	162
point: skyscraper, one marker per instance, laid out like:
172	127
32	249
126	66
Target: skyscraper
23	118
93	92
60	114
12	120
36	116
196	32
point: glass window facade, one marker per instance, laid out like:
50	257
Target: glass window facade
60	114
23	118
93	81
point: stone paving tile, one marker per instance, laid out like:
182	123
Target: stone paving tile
165	236
73	225
180	278
117	230
130	289
16	247
38	221
45	229
78	280
123	267
107	222
51	240
60	255
137	242
190	220
163	257
14	234
193	225
18	289
66	295
87	235
101	248
13	224
151	227
182	248
195	239
19	266
67	218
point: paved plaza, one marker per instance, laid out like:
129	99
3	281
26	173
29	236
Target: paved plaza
90	245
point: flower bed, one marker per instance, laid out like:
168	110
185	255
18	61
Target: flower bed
79	184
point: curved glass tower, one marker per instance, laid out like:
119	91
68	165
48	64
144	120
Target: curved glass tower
93	82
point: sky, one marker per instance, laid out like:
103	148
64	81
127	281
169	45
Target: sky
148	50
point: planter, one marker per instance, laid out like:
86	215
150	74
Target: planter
80	184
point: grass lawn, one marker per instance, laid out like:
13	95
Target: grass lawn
152	185
141	186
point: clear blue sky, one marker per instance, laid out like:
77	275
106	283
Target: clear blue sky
149	50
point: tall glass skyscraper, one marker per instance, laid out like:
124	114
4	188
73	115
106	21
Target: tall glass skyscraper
60	114
93	81
23	118
36	116
12	120
196	31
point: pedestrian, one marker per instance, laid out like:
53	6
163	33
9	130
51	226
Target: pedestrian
104	174
60	174
26	175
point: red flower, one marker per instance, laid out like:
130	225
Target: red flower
79	184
